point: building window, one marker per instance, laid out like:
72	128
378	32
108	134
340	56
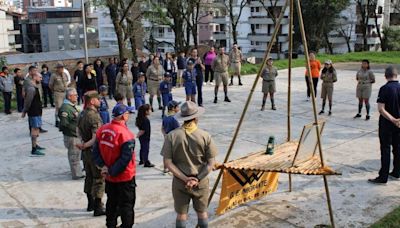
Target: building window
257	26
257	9
252	42
252	9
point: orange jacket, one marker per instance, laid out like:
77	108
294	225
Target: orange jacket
315	68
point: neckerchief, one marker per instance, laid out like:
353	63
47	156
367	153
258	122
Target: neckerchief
190	127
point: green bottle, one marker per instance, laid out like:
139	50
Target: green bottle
270	145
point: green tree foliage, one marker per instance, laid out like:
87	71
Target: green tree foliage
320	18
392	38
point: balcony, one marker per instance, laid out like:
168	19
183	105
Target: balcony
219	20
219	35
265	20
264	37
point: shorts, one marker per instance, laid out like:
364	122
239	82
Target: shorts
364	91
327	91
221	77
190	89
153	87
125	91
35	121
268	87
166	98
182	196
236	67
139	101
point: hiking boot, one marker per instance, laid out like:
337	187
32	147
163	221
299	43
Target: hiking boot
37	152
40	148
367	117
227	99
215	100
99	209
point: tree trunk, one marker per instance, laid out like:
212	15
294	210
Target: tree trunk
328	44
120	37
378	30
234	34
348	44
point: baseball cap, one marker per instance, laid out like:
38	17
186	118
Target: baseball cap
167	74
328	62
190	62
172	104
103	88
120	109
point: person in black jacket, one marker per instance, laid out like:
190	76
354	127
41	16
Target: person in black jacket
89	79
99	68
19	82
33	107
181	65
78	76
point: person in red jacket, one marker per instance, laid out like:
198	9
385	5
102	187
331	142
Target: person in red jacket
114	154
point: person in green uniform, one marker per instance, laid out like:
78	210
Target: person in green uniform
365	78
328	77
68	115
269	74
88	122
58	85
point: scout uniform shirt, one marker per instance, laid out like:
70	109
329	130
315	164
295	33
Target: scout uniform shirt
221	63
235	56
68	115
58	83
365	79
165	87
269	74
88	122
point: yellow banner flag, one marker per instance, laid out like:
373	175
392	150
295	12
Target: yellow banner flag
241	186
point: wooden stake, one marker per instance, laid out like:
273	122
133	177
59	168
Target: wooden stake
289	104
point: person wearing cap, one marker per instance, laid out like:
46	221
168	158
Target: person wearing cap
139	91
269	74
124	83
169	122
154	75
236	57
189	81
328	77
365	78
114	152
68	115
88	122
389	127
58	84
166	91
189	153
103	110
33	107
220	66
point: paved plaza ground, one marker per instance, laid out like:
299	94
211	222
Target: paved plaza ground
39	192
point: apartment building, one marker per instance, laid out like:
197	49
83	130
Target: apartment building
10	35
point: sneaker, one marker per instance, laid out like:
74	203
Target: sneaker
215	100
227	99
40	148
41	130
367	117
321	112
273	107
357	116
376	181
148	164
141	163
330	113
308	99
36	152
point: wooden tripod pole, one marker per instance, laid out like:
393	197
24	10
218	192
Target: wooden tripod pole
267	52
289	104
311	84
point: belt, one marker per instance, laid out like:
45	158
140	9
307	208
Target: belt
365	83
268	80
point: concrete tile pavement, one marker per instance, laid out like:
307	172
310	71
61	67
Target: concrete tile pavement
39	192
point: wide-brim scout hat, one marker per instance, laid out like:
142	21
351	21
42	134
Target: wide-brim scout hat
91	94
189	110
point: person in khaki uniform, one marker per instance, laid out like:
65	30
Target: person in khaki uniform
88	122
269	74
328	77
68	115
189	153
124	83
235	57
365	78
58	85
154	75
220	66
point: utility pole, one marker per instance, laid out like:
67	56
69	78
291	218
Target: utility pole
85	47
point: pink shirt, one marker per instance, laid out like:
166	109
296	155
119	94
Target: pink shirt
209	58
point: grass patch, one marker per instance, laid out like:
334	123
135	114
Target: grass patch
390	57
391	220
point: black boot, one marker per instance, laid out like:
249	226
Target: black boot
148	164
99	209
57	123
231	81
90	206
240	81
